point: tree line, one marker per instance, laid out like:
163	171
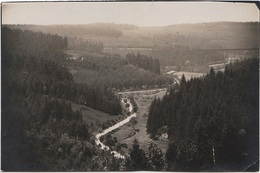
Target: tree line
75	43
144	62
93	30
212	122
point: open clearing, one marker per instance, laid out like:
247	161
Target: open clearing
126	134
188	75
95	117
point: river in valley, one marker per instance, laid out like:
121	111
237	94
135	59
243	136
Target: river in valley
117	125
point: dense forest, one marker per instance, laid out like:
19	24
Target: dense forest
27	43
212	122
144	62
37	93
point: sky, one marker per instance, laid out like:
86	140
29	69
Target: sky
136	13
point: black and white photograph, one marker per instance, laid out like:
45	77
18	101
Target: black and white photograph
129	86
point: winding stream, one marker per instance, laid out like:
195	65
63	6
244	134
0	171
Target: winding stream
117	125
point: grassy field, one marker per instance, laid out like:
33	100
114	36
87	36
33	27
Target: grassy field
95	117
78	54
143	100
188	75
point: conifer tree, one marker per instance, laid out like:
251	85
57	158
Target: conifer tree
156	157
139	161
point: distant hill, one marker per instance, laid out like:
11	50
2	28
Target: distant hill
220	34
173	45
90	30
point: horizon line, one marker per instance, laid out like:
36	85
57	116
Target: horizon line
140	26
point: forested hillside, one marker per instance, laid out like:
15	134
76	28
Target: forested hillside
17	42
174	45
212	122
117	72
91	30
38	125
203	35
38	65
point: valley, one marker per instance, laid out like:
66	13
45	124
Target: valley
118	97
128	132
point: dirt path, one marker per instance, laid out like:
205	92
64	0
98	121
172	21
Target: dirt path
117	125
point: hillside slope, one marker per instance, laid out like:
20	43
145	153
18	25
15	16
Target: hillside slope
213	121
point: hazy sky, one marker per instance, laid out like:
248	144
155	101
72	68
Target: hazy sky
141	14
